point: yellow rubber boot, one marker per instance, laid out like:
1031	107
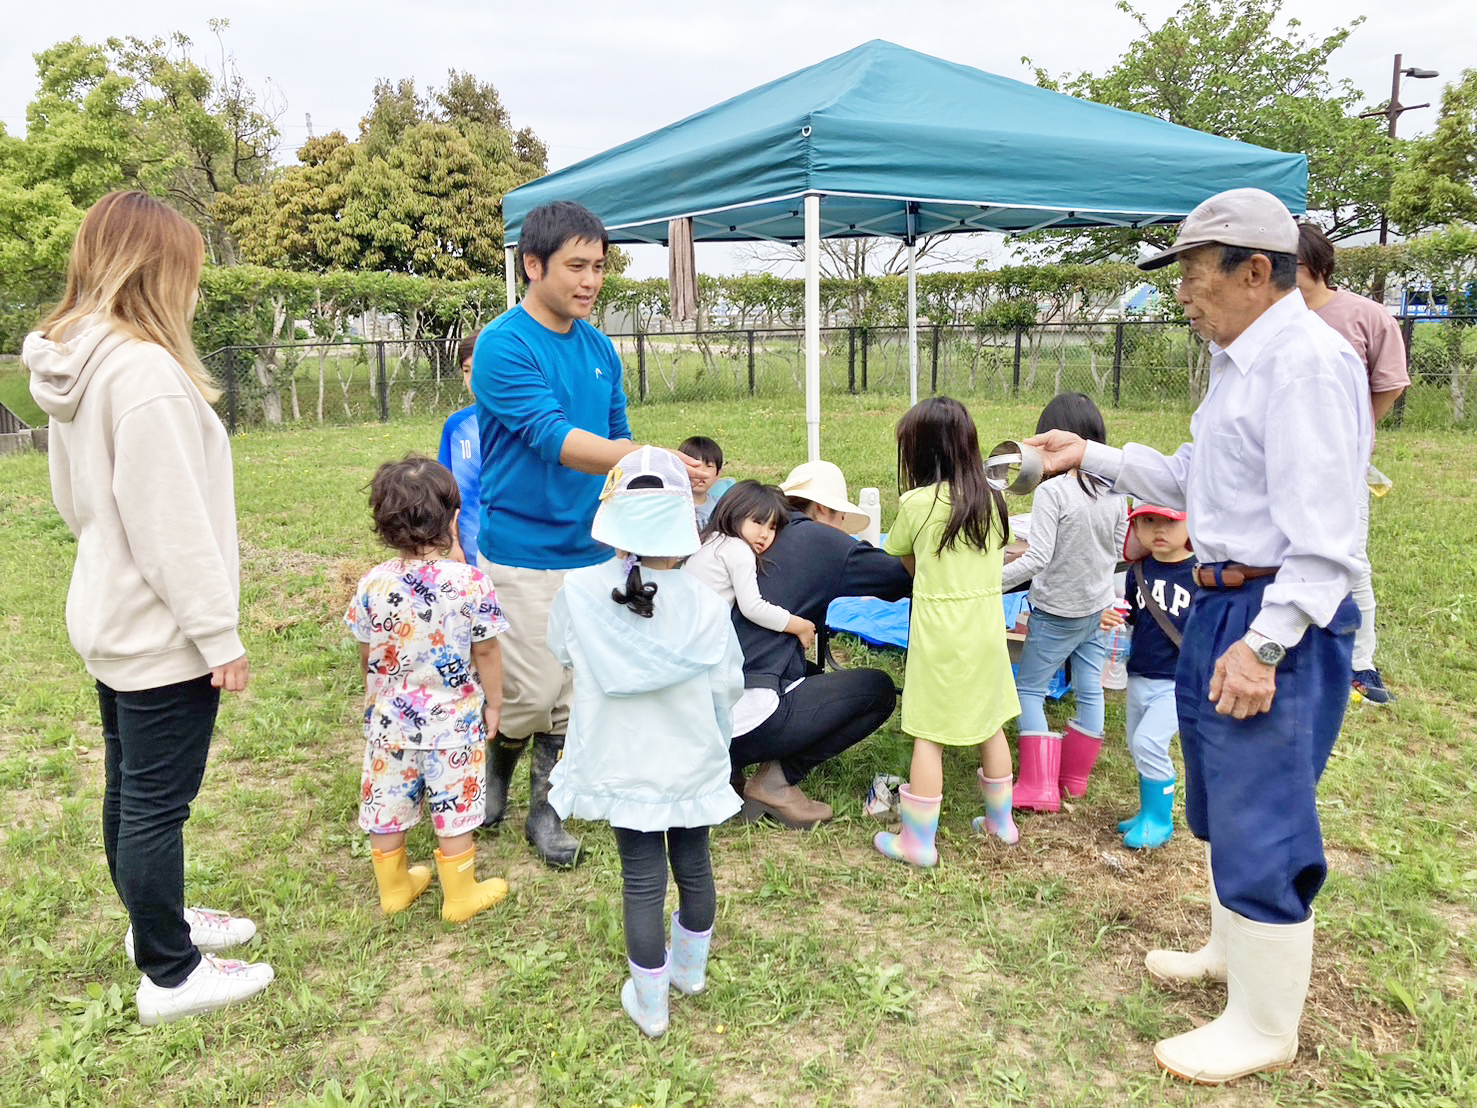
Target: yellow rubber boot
399	883
465	895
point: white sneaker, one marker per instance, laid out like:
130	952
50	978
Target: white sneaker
214	983
209	930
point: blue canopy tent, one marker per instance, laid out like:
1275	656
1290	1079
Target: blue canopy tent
882	140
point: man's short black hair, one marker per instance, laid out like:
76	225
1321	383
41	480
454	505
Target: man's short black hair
703	449
1316	252
549	226
1284	266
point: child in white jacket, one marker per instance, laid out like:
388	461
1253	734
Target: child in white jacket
657	671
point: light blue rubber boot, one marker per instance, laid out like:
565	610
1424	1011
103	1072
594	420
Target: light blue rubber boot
1156	825
644	997
689	957
1137	818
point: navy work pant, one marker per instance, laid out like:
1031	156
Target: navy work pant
155	743
1251	785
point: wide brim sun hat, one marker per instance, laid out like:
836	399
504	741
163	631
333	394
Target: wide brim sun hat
825	484
646	506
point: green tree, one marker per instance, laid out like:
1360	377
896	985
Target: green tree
1438	183
125	113
420	191
142	113
1230	68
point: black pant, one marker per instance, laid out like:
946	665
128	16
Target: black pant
644	857
155	743
826	714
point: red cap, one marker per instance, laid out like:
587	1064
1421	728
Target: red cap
1155	510
1133	550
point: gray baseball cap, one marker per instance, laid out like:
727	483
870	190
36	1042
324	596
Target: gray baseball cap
1252	218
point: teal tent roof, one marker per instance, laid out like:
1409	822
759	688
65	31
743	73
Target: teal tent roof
881	130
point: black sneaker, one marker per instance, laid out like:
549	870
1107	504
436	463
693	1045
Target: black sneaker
1369	686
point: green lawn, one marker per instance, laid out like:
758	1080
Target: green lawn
1006	976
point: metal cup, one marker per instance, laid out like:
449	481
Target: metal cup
1014	467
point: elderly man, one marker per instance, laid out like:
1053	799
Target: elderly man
1271	483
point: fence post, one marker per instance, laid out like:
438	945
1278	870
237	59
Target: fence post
751	361
1117	362
934	358
382	380
1015	382
641	365
1407	336
851	360
866	342
232	388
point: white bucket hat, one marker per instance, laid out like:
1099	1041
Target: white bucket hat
646	506
825	484
1252	218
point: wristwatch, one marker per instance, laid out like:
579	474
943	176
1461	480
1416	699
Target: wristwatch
1268	652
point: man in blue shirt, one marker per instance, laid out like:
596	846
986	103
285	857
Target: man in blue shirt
1271	486
551	416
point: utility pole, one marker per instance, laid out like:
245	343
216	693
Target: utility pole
1392	111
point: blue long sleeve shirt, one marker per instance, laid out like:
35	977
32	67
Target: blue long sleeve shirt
533	387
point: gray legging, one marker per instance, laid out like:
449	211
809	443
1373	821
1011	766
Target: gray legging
644	857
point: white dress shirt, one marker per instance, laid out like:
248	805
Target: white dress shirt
1272	474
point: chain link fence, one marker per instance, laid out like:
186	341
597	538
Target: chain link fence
1130	364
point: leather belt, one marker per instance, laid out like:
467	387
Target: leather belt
1229	575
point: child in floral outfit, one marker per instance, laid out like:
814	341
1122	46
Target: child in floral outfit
426	626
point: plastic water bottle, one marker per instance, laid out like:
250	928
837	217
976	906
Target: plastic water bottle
1378	483
1115	673
870	501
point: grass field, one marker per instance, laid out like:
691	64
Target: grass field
1004	977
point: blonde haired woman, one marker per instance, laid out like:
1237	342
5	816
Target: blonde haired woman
141	473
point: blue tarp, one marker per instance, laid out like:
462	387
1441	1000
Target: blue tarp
885	623
880	130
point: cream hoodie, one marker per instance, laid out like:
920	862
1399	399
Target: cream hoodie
141	473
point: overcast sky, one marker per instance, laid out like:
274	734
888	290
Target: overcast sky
587	76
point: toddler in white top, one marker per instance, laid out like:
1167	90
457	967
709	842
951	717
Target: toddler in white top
742	528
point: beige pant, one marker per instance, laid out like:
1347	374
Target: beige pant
536	689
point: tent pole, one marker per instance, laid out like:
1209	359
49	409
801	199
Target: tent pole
912	320
813	326
510	273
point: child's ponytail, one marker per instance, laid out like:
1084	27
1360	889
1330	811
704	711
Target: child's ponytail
638	595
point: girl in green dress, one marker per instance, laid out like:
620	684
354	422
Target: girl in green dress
950	533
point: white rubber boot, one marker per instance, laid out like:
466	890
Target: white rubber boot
1206	964
1266	983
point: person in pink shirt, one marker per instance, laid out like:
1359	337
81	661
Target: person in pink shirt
1375	337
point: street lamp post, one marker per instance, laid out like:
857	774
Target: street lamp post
1392	110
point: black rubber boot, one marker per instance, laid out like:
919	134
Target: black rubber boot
502	755
545	830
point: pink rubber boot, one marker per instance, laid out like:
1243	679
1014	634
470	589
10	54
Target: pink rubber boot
1036	786
1079	754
